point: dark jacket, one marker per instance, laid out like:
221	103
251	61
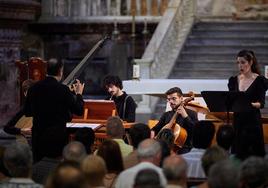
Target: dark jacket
126	107
51	104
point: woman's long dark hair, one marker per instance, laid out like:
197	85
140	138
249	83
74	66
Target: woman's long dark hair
250	56
109	150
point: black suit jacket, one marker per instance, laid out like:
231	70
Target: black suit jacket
51	104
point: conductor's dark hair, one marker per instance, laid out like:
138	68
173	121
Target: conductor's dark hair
249	55
112	80
54	66
174	90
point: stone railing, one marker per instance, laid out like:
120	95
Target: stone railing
169	37
97	10
165	45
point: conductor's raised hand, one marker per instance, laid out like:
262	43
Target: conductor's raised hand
78	87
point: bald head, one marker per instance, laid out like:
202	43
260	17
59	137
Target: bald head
175	169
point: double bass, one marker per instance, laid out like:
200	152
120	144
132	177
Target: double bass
180	134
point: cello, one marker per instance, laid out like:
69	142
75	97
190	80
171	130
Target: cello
180	133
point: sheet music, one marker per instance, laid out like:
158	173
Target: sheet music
94	126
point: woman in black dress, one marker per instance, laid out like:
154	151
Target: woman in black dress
248	126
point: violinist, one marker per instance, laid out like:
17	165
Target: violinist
183	117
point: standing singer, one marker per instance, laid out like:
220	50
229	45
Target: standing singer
125	105
186	118
248	126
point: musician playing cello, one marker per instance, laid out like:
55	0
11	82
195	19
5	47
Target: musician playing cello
183	118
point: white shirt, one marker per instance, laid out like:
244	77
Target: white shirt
127	177
193	159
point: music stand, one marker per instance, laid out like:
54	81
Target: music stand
227	101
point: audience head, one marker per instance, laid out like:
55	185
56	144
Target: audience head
54	67
249	57
175	170
149	150
18	160
139	132
94	169
225	136
114	127
86	136
68	175
211	156
165	151
147	178
203	133
109	150
254	172
223	174
74	151
167	136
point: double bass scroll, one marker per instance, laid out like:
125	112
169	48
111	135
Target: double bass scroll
80	67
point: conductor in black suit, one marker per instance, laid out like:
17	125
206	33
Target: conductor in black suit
51	104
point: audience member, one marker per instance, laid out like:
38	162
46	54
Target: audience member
165	151
147	178
167	136
109	150
211	156
18	161
138	132
203	133
87	137
67	175
225	137
149	156
254	173
43	168
74	151
223	174
175	170
115	130
94	169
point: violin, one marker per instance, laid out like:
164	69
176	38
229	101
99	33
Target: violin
180	134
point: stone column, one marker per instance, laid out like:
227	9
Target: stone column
144	111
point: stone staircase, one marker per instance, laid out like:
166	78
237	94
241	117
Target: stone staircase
210	51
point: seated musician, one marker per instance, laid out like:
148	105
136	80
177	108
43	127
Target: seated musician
186	118
125	105
20	124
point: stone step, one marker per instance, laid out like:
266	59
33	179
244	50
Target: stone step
209	73
203	65
232	25
230	33
262	57
224	48
226	40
